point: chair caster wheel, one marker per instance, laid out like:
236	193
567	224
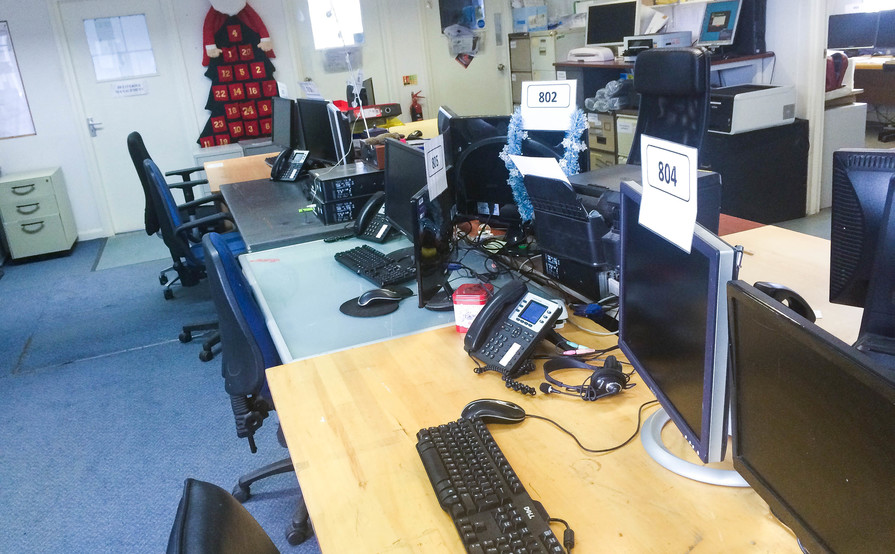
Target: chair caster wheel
169	294
297	534
185	337
206	355
163	279
241	493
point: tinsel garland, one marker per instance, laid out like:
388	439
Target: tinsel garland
572	147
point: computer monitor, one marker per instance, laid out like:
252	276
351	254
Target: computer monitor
862	245
852	31
405	175
480	176
813	427
885	33
285	134
673	330
433	248
326	131
609	24
445	115
719	23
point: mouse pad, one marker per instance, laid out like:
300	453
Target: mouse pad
350	307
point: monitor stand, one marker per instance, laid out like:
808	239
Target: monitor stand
651	438
442	301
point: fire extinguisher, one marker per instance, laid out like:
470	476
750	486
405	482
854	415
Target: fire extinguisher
416	111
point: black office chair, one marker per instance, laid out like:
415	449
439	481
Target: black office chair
138	153
247	349
673	84
210	521
183	239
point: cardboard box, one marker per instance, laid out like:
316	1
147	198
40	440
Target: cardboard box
526	20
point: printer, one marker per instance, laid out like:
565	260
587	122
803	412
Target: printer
742	108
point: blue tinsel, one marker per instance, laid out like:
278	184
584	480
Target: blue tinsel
572	146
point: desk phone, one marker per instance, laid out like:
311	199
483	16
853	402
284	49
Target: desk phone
289	165
507	329
371	223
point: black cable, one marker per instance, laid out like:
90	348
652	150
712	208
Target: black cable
568	536
601	450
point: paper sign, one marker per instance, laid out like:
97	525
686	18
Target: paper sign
548	105
130	88
540	167
668	206
310	89
436	181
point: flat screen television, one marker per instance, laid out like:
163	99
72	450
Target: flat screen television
862	245
813	427
719	23
673	330
609	24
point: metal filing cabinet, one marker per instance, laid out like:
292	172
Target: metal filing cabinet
532	55
36	213
520	63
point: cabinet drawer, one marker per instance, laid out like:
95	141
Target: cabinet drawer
28	207
40	235
17	191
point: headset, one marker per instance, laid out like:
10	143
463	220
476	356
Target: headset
603	381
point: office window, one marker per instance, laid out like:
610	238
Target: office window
120	47
16	120
336	23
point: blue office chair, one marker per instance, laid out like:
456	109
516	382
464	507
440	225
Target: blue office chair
673	84
247	349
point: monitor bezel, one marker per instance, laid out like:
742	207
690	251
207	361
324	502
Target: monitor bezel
634	30
703	27
710	445
277	103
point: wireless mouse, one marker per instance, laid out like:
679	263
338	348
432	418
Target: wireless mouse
491	410
385	294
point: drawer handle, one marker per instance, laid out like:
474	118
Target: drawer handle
25	189
34	207
32	231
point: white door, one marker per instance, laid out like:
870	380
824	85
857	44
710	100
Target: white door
140	86
482	88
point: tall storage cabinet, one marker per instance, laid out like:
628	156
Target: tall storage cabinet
532	55
36	213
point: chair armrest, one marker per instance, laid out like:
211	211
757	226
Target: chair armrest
183	173
187	184
206	221
214	197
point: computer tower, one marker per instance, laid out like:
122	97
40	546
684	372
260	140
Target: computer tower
749	38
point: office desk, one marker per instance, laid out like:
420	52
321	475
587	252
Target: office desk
878	83
350	420
236	170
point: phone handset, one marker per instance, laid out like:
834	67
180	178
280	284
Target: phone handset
289	165
509	327
371	223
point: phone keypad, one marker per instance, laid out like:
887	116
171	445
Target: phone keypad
496	348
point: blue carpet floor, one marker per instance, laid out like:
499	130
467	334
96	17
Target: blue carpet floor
107	412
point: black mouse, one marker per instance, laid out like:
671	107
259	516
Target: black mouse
390	294
491	410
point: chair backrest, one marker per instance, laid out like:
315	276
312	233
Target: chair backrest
168	215
673	84
138	153
247	348
210	521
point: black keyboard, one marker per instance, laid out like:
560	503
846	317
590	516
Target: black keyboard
374	266
475	484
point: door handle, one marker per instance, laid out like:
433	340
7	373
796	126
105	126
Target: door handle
93	126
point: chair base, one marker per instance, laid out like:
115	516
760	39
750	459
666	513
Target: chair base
208	345
299	528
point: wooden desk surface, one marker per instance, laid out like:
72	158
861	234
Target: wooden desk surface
351	417
236	170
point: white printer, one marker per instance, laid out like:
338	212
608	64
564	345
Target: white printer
742	108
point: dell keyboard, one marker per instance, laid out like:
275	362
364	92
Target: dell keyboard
477	487
374	266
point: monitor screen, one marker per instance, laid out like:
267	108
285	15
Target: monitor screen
609	24
326	131
433	247
813	427
405	175
719	23
282	134
885	33
480	176
852	30
673	324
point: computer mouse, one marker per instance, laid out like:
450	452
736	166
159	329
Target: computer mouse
384	294
491	410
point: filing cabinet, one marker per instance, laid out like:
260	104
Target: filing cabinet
36	213
532	55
